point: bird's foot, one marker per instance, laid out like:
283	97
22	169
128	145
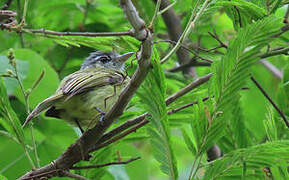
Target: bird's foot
102	114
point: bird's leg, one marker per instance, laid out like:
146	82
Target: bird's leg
114	93
102	114
78	124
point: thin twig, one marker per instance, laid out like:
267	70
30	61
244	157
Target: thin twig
167	8
69	52
121	128
72	175
186	106
184	47
188	88
271	101
155	14
88	34
106	164
44	174
215	36
189	27
120	136
193	63
284	51
87	5
174	28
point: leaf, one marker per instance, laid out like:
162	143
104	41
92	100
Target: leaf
100	157
152	94
270	125
37	64
232	72
11	122
241	12
189	142
22	67
3	177
271	154
101	43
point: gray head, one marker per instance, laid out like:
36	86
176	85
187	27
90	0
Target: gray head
110	60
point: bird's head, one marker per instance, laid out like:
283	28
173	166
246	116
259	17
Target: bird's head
111	60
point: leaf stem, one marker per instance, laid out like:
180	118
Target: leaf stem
190	25
26	99
271	101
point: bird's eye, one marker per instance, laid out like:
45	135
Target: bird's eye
103	60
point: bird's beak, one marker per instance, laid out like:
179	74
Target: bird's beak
125	56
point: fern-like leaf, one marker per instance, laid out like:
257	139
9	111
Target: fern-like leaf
255	158
232	72
152	94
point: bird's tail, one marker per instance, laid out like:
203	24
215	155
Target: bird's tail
41	107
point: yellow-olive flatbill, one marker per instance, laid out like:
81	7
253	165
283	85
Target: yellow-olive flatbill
84	93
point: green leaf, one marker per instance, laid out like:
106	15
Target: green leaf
22	67
232	72
3	177
152	94
189	142
270	125
271	154
11	122
37	64
101	43
241	12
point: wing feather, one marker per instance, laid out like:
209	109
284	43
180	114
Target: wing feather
78	82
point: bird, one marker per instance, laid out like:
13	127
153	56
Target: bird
93	89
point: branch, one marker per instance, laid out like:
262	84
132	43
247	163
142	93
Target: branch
188	88
106	164
186	105
80	149
74	176
283	30
215	36
184	47
190	25
271	101
284	51
89	34
192	63
120	136
173	23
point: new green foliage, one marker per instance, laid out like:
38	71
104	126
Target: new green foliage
152	94
257	157
232	72
10	120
